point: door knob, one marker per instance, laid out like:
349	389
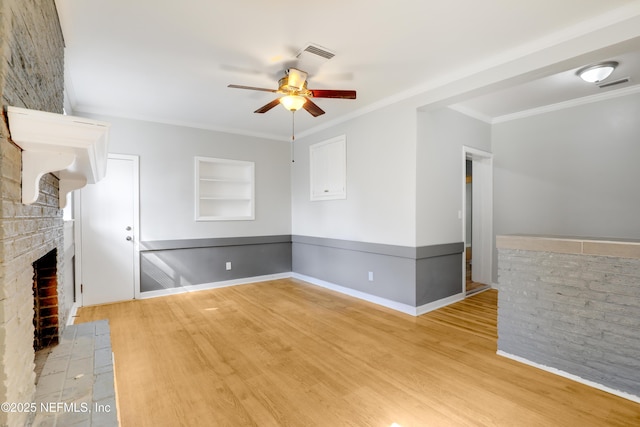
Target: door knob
129	238
128	228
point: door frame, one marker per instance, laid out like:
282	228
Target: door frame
77	235
483	184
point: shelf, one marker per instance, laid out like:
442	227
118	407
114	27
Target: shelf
224	189
74	147
231	181
225	198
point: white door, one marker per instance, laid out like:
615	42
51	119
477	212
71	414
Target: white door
109	233
482	221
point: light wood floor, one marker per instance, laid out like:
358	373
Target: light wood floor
285	353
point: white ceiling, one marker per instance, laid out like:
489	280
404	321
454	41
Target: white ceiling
555	89
171	61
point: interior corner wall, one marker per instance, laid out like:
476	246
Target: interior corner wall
198	251
167	178
404	190
571	172
365	242
442	134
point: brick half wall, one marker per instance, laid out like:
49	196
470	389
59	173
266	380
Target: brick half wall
577	313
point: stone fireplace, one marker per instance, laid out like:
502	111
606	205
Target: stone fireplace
30	233
31	76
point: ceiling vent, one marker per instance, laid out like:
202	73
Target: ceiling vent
613	83
314	49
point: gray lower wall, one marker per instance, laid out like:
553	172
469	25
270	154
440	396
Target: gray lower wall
576	313
177	263
438	272
408	275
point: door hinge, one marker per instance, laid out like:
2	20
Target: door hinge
81	288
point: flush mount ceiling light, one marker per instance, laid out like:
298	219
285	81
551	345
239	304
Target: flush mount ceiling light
598	72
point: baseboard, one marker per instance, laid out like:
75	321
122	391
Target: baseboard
213	285
398	306
425	308
394	305
573	377
477	291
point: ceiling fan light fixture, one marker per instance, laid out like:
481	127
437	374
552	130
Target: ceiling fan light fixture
293	102
598	72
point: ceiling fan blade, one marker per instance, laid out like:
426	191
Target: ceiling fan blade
327	93
268	107
312	108
252	88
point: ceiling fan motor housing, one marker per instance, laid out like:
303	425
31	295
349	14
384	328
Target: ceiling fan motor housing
286	88
296	80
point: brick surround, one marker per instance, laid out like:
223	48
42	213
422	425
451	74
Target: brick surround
31	76
578	313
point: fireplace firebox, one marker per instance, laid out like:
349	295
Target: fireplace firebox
45	307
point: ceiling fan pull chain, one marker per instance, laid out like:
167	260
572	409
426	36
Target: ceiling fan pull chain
293	133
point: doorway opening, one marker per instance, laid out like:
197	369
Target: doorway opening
478	220
471	287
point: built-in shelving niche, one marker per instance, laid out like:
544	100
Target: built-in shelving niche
224	189
73	148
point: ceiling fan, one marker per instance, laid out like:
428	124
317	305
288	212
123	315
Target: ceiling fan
296	94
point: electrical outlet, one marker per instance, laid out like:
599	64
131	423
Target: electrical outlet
371	276
228	266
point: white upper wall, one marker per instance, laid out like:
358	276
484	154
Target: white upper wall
442	134
167	186
380	203
570	172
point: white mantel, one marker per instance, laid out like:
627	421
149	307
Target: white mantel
74	147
